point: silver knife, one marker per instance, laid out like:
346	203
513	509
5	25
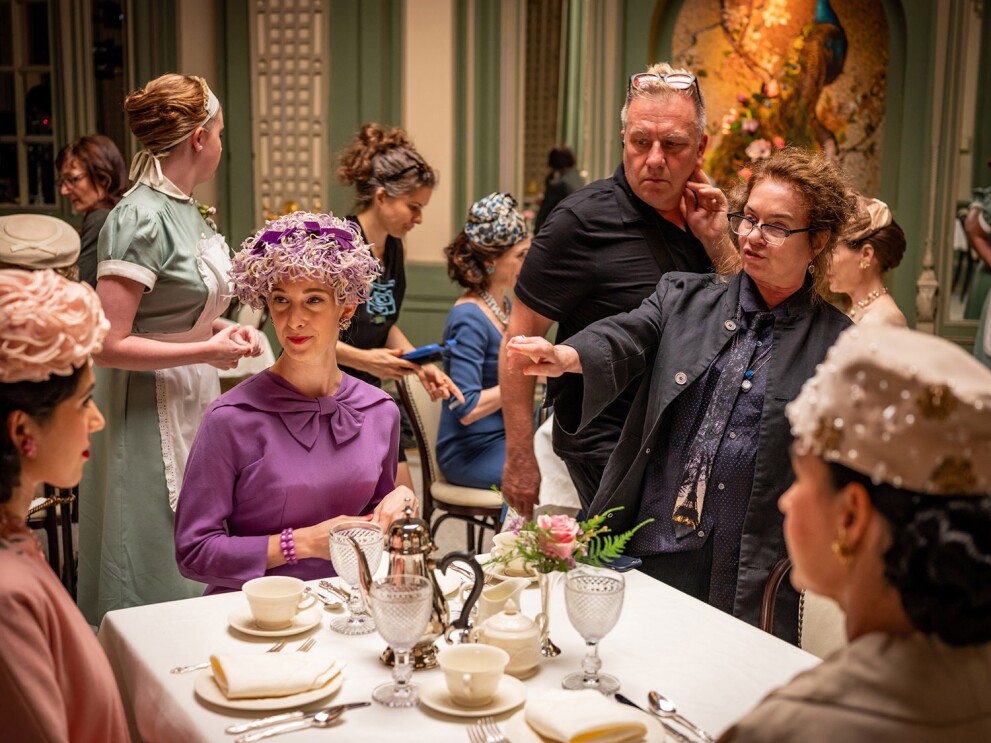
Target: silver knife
244	727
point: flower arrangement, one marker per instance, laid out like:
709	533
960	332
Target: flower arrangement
559	543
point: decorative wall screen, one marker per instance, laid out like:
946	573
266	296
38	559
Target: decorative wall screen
289	64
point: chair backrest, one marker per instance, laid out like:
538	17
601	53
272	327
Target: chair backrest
821	622
424	417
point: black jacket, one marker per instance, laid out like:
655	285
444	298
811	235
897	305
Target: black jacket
666	344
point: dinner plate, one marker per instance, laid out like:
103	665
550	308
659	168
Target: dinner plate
206	689
516	730
434	694
242	620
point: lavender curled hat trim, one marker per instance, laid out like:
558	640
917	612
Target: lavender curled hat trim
305	247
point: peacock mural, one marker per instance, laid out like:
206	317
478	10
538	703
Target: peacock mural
810	73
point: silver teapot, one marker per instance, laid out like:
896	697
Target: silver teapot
409	546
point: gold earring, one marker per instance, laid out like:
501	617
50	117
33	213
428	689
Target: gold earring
864	264
841	549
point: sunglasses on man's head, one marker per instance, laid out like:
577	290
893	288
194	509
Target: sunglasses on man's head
675	80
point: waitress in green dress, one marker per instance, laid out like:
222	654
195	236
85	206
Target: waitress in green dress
162	277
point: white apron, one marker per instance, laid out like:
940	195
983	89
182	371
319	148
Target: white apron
184	392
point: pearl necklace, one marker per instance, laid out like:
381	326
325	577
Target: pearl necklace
861	303
490	302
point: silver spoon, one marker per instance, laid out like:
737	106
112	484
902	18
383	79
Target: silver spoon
661	706
329	603
319	720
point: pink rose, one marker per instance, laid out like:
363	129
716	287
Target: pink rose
742	98
744	173
758	149
772	89
750	125
557	536
779	143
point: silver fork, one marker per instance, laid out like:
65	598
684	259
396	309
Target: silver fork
200	666
307	645
491	731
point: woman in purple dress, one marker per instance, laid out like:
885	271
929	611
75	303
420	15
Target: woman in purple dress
290	452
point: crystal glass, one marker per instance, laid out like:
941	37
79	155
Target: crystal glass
369	537
401	605
594	599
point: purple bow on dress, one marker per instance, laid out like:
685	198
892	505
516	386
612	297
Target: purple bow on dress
302	416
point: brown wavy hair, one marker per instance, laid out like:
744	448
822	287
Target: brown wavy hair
466	262
103	164
376	159
824	194
169	107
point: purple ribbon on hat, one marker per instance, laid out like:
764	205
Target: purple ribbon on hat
343	238
268	237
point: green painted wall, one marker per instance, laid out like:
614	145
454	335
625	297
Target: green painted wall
365	40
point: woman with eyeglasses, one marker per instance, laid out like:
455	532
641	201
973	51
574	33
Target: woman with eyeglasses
93	177
871	244
162	279
704	451
393	185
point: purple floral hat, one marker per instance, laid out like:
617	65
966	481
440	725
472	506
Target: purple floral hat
303	246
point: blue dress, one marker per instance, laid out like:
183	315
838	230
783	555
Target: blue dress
471	455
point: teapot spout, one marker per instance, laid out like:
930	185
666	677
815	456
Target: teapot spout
364	573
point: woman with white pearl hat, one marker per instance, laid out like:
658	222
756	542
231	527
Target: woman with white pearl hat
890	516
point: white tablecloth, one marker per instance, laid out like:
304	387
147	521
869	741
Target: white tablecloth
714	666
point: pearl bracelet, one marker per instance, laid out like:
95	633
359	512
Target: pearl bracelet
288	545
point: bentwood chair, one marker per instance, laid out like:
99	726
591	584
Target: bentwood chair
54	513
479	509
821	622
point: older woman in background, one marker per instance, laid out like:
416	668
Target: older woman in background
55	681
93	177
163	281
299	447
871	245
704	450
485	259
890	516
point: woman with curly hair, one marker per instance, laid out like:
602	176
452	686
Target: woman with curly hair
93	177
55	681
294	450
890	516
871	245
714	360
162	278
485	259
393	185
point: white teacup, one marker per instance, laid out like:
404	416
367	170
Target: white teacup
504	543
275	600
473	672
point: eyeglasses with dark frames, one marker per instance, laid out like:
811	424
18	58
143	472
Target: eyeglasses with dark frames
774	235
70	180
675	80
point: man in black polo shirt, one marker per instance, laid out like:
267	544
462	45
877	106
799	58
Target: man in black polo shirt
602	251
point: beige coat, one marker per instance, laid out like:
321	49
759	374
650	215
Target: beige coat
880	687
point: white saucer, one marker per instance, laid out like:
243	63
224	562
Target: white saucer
241	620
517	730
206	688
497	571
511	693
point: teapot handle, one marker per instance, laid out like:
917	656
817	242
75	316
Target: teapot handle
463	621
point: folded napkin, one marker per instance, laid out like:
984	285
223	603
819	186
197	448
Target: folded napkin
583	717
271	674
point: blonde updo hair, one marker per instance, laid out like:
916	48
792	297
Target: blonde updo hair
167	109
823	192
383	159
